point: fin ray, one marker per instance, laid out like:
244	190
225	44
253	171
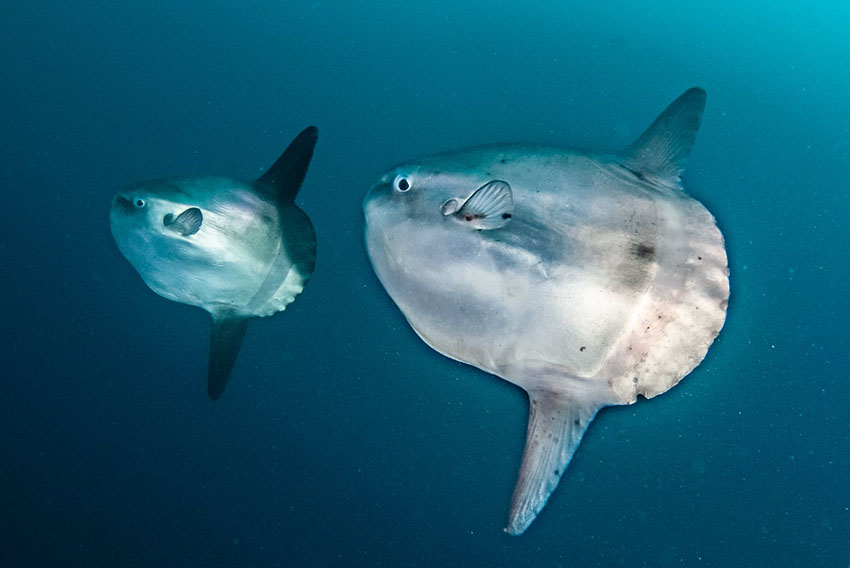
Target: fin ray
490	207
187	223
556	425
662	150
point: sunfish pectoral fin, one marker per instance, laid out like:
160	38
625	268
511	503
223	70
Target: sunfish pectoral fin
228	331
490	207
187	223
555	427
662	151
285	176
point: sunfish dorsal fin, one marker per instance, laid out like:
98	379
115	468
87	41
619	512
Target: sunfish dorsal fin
662	151
490	207
228	331
285	176
556	424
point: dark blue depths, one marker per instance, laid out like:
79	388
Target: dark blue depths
342	439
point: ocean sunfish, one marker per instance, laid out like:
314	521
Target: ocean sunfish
585	279
238	249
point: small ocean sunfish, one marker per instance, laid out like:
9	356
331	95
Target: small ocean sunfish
237	249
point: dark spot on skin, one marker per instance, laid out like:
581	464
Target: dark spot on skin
504	161
582	348
576	422
635	380
469	217
506	215
643	251
638	175
557	472
699	258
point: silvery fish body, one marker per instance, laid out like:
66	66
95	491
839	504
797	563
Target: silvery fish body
237	249
585	279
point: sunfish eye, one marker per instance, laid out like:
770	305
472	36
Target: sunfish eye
139	202
401	184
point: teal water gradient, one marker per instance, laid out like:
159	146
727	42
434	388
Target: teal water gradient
342	439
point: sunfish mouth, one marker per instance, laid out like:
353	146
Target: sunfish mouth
373	192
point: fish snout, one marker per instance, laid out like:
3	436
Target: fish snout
122	201
377	195
129	203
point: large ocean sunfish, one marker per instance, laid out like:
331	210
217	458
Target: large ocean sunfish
238	249
585	279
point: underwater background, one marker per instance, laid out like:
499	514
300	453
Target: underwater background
342	439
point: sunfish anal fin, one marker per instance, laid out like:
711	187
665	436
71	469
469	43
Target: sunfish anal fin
228	331
187	223
555	427
490	207
662	150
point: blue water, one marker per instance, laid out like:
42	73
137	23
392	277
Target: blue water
342	439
